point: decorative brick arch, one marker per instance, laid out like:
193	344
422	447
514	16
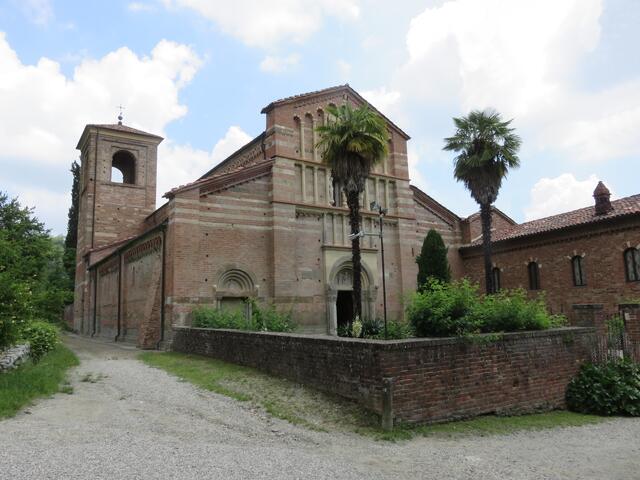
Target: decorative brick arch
235	284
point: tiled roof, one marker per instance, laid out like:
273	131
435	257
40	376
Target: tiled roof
230	176
122	128
583	216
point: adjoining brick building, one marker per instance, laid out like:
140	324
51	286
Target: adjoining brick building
586	256
267	223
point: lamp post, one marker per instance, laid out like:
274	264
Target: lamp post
376	207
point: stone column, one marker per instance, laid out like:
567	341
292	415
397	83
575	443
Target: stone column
332	311
315	184
328	186
314	137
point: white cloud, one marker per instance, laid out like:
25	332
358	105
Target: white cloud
521	57
180	164
39	12
50	207
416	176
141	7
383	99
510	55
344	69
43	112
264	24
273	64
550	196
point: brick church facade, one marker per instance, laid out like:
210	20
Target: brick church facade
266	223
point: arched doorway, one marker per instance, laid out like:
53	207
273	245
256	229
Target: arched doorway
340	295
344	308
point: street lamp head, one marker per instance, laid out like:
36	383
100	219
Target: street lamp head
374	206
383	211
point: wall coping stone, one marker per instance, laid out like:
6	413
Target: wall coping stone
404	343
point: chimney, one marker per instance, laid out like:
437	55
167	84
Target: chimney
602	195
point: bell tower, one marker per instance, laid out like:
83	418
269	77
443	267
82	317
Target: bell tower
117	192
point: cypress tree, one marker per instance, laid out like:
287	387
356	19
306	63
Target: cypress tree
432	261
71	239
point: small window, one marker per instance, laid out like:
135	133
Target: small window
579	279
123	168
534	275
632	264
495	279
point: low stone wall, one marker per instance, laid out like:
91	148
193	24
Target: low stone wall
431	379
12	357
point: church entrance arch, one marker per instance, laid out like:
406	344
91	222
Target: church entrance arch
340	295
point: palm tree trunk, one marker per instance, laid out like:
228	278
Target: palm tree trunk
485	217
353	202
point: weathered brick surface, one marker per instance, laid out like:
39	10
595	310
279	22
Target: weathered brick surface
602	246
434	379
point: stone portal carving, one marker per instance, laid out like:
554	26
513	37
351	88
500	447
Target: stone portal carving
341	279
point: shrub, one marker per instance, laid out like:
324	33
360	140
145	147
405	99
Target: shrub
262	319
510	311
397	330
611	388
441	309
269	319
458	310
207	317
42	338
14	298
371	328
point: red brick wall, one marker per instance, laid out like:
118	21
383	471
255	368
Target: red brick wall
602	246
472	227
434	379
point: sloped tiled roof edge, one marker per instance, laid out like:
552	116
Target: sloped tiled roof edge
434	205
338	88
622	208
225	180
117	128
226	161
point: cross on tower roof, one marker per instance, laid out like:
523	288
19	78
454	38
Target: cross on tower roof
120	114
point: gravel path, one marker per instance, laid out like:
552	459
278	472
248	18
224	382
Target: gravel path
136	422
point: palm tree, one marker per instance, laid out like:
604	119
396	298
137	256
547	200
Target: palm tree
487	148
352	143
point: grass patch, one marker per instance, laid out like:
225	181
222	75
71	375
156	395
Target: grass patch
493	425
32	380
306	406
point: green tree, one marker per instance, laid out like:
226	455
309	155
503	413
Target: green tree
432	261
71	239
352	143
33	283
487	148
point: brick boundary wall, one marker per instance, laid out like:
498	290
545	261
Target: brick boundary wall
432	379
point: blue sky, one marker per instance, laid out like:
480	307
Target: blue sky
198	72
